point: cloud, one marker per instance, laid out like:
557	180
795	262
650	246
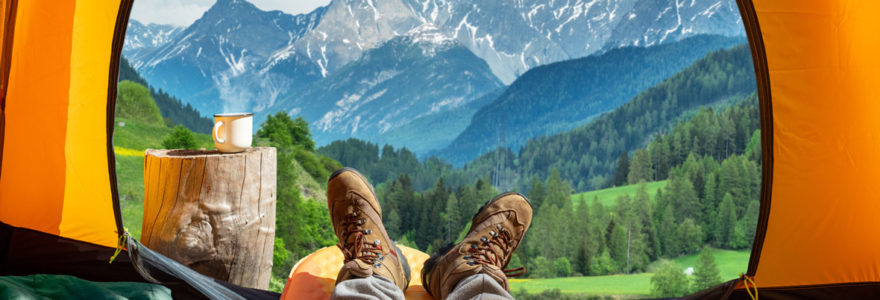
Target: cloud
185	12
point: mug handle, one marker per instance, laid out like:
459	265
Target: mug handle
217	127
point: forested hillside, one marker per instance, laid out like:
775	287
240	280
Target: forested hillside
586	157
172	109
561	96
706	201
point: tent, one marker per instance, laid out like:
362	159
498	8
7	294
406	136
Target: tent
815	63
59	208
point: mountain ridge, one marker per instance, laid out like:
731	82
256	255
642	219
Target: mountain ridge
573	92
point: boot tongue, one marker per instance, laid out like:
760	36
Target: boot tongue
497	274
354	269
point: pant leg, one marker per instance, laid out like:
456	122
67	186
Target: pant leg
479	287
369	288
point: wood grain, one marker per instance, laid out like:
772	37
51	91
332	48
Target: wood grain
213	212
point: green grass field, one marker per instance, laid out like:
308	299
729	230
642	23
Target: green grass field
140	136
730	264
609	196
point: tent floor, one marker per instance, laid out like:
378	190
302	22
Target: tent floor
26	252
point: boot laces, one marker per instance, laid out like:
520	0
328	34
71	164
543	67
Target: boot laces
355	244
503	242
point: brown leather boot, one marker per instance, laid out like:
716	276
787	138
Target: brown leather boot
496	231
357	221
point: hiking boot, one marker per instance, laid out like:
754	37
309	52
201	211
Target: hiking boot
496	230
357	221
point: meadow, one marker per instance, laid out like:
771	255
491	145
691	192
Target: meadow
609	196
730	264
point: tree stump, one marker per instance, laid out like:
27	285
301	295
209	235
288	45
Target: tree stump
213	212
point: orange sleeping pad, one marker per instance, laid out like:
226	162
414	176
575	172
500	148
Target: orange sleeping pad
314	276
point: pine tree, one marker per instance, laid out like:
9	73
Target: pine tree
583	237
640	168
709	206
669	233
726	227
706	272
536	192
690	236
453	218
660	158
617	243
642	205
558	192
392	223
749	221
683	197
622	170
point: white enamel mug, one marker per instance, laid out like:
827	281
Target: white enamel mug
233	132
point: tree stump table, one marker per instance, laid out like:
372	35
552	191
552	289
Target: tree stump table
213	212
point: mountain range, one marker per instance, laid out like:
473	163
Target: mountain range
349	67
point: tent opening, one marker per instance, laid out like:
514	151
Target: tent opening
650	148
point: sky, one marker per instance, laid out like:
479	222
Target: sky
185	12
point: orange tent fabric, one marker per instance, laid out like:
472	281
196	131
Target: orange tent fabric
55	166
822	108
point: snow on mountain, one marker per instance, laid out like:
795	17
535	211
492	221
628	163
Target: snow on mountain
401	80
224	56
237	57
514	36
140	38
658	21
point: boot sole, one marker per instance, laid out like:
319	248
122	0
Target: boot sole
429	265
353	170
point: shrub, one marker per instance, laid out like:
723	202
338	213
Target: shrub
562	267
669	281
180	138
133	102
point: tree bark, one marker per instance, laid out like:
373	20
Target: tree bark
213	212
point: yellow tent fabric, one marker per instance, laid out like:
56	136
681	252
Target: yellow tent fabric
54	175
821	74
314	276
